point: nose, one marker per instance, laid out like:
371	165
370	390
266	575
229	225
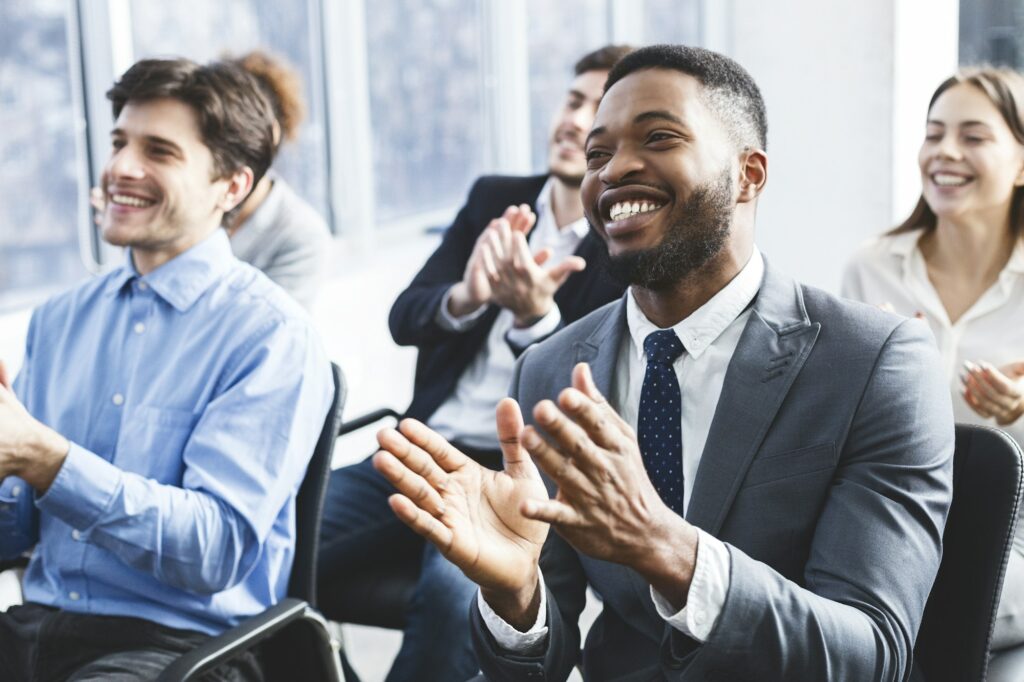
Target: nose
623	163
948	148
125	163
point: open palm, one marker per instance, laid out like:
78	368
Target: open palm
472	514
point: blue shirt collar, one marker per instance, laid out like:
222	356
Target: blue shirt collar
183	279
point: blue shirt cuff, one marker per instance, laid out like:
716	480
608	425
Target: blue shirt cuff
13	489
83	489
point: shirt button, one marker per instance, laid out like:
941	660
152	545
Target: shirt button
143	286
15	491
74	596
118	399
139	327
75	535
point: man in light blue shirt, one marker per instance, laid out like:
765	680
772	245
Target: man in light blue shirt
153	444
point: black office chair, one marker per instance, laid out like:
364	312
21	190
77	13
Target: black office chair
956	632
293	640
376	593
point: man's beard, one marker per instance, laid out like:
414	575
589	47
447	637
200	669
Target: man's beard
693	238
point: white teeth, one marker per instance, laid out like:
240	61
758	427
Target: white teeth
627	209
949	180
125	200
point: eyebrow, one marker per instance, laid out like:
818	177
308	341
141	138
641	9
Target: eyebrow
152	139
932	121
656	115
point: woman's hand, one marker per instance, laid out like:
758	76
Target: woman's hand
994	392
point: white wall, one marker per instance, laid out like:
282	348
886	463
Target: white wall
846	84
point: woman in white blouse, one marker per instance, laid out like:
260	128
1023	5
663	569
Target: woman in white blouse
958	263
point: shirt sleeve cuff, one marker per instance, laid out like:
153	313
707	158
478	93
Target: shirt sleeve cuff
708	589
83	489
456	324
510	639
525	336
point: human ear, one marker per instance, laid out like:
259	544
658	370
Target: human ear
753	174
238	187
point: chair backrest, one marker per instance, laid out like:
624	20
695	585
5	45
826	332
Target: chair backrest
310	500
956	632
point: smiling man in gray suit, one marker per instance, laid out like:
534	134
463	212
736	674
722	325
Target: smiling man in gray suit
762	494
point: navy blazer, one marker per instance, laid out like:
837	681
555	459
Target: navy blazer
444	354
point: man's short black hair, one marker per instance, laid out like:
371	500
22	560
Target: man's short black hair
601	59
730	91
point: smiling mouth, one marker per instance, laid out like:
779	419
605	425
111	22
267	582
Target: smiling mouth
130	201
622	210
950	179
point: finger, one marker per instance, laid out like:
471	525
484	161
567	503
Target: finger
504	232
973	402
981	385
592	418
489	263
509	420
444	454
559	273
554	512
524	259
495	242
413	486
412	456
1002	384
542	256
529	217
568	438
559	468
422	522
583	381
5	379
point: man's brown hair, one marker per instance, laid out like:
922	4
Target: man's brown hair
235	120
601	59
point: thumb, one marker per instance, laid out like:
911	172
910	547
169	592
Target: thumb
509	420
559	273
1014	370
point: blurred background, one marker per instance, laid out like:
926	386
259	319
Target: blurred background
410	100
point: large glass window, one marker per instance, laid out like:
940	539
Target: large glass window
39	162
203	30
559	34
426	103
672	21
992	32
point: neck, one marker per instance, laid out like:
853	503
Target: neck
565	203
667	307
251	203
147	259
968	248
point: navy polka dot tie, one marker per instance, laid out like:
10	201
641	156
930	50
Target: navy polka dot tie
659	428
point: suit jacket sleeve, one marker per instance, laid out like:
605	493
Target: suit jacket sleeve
875	550
566	597
413	314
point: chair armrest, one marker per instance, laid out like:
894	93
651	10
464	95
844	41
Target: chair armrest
250	633
367	419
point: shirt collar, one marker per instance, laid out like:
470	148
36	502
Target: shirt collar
183	279
904	245
704	325
579	228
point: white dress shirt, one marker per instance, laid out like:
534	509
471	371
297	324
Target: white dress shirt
467	415
891	269
710	336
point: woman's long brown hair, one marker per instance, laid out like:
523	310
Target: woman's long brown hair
1005	89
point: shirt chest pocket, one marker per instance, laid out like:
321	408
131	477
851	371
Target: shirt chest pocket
152	440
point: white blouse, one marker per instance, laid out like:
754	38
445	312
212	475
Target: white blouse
891	269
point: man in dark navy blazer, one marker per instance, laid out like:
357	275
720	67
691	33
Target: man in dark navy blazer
518	263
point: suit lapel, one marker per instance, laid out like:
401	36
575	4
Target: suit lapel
601	349
776	341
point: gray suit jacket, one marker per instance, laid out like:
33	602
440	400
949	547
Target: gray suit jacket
828	474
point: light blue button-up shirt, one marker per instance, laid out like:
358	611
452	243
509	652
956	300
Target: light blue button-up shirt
193	398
